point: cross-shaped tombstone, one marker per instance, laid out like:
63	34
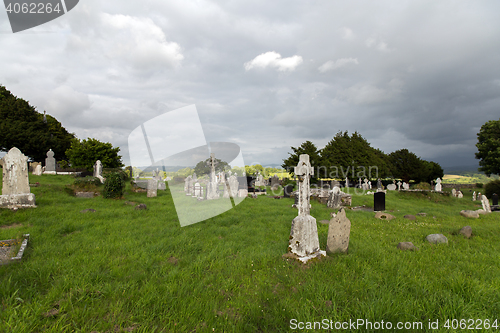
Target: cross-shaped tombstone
399	185
438	185
304	241
212	188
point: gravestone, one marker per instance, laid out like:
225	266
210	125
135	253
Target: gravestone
98	170
359	182
474	196
346	182
287	191
233	186
438	185
194	177
198	190
186	184
339	230
304	241
460	195
16	192
275	181
379	184
222	177
50	163
486	204
213	186
494	199
453	192
38	170
242	193
399	185
379	201
334	198
406	186
365	185
225	195
392	187
152	188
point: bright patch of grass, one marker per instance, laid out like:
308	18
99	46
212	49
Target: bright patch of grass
139	271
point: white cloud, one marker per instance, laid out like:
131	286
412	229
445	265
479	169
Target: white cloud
64	102
331	65
379	45
274	59
347	33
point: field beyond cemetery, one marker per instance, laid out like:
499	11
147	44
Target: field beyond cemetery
125	270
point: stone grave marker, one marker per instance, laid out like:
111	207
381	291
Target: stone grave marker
453	192
198	190
334	198
16	192
98	170
494	199
460	195
339	230
392	187
474	196
152	188
38	170
233	186
287	191
438	185
399	185
304	241
486	204
50	163
275	181
379	201
187	184
213	185
379	184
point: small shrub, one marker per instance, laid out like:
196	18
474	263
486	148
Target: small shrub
479	185
423	186
492	187
113	186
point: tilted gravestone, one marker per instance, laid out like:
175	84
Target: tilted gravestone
334	198
486	204
16	192
379	201
304	241
339	230
50	163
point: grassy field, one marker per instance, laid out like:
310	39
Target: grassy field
468	178
123	270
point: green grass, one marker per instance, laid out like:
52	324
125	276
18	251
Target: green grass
119	269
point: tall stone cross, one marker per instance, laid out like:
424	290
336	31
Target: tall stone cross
212	163
304	171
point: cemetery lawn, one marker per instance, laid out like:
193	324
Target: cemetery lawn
125	270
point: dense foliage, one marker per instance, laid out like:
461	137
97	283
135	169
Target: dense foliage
86	152
23	127
492	187
352	156
488	147
114	185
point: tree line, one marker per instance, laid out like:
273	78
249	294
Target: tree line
352	157
33	133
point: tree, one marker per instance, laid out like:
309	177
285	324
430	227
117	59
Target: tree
203	168
23	127
306	148
405	165
488	146
352	157
430	171
84	154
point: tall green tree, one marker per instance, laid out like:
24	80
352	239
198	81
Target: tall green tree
406	165
353	157
306	148
84	154
488	146
23	127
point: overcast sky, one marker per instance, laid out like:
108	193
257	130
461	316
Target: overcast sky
267	75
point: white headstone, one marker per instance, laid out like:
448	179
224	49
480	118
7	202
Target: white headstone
438	187
50	163
98	170
233	186
460	195
304	241
486	204
152	188
474	196
38	170
399	185
16	192
453	192
213	185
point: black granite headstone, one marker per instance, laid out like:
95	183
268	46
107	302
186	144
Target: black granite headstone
287	191
494	199
379	201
